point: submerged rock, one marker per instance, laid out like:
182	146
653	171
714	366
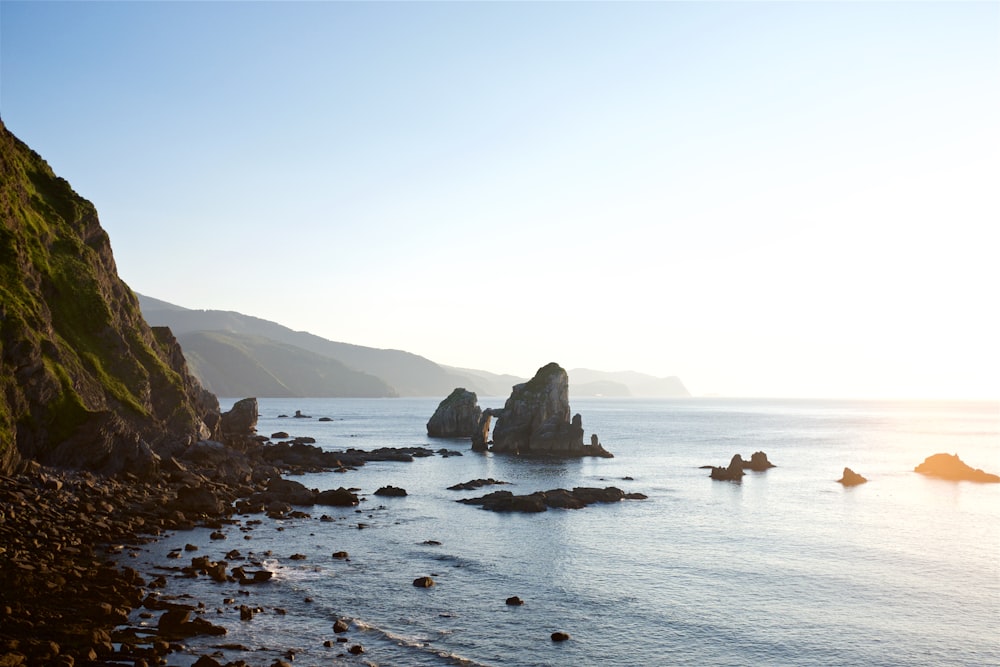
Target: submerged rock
475	484
949	466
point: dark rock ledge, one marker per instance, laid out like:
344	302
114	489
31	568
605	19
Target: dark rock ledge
540	501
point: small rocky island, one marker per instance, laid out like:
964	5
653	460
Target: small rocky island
535	421
456	416
734	471
949	466
851	478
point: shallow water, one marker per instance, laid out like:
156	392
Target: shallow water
785	568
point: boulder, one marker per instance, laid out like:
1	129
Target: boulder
241	420
851	478
423	582
535	420
289	491
391	491
337	498
456	416
560	636
949	466
198	500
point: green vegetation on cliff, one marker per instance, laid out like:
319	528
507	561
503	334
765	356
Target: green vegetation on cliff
75	352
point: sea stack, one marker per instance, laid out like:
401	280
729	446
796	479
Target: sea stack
535	420
456	416
851	478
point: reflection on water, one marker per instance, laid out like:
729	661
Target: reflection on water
786	567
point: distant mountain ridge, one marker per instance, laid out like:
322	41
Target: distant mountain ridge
241	355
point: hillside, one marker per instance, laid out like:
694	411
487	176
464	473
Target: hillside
241	355
236	365
84	381
586	382
401	373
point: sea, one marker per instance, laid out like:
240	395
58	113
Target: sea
786	567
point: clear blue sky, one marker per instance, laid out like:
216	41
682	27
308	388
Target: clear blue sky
770	199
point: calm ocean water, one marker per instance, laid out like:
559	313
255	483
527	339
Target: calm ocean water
786	568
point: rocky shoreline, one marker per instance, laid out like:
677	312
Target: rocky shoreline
66	597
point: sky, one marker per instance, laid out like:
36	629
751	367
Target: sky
775	199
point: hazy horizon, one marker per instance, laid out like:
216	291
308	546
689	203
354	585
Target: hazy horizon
764	199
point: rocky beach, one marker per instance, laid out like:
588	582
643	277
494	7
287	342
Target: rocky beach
68	592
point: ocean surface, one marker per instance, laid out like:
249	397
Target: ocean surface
787	567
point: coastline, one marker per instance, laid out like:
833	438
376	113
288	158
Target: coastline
69	594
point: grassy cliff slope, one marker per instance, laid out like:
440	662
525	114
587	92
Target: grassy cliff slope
84	381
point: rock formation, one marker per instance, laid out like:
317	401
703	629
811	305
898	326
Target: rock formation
851	478
84	381
949	466
456	416
540	501
734	471
535	420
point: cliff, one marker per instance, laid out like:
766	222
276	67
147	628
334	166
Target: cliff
84	381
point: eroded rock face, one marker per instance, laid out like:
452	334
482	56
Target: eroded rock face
241	420
84	381
949	466
456	416
535	420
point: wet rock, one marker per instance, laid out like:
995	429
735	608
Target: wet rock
560	636
471	485
540	501
514	601
423	582
337	498
391	491
340	626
